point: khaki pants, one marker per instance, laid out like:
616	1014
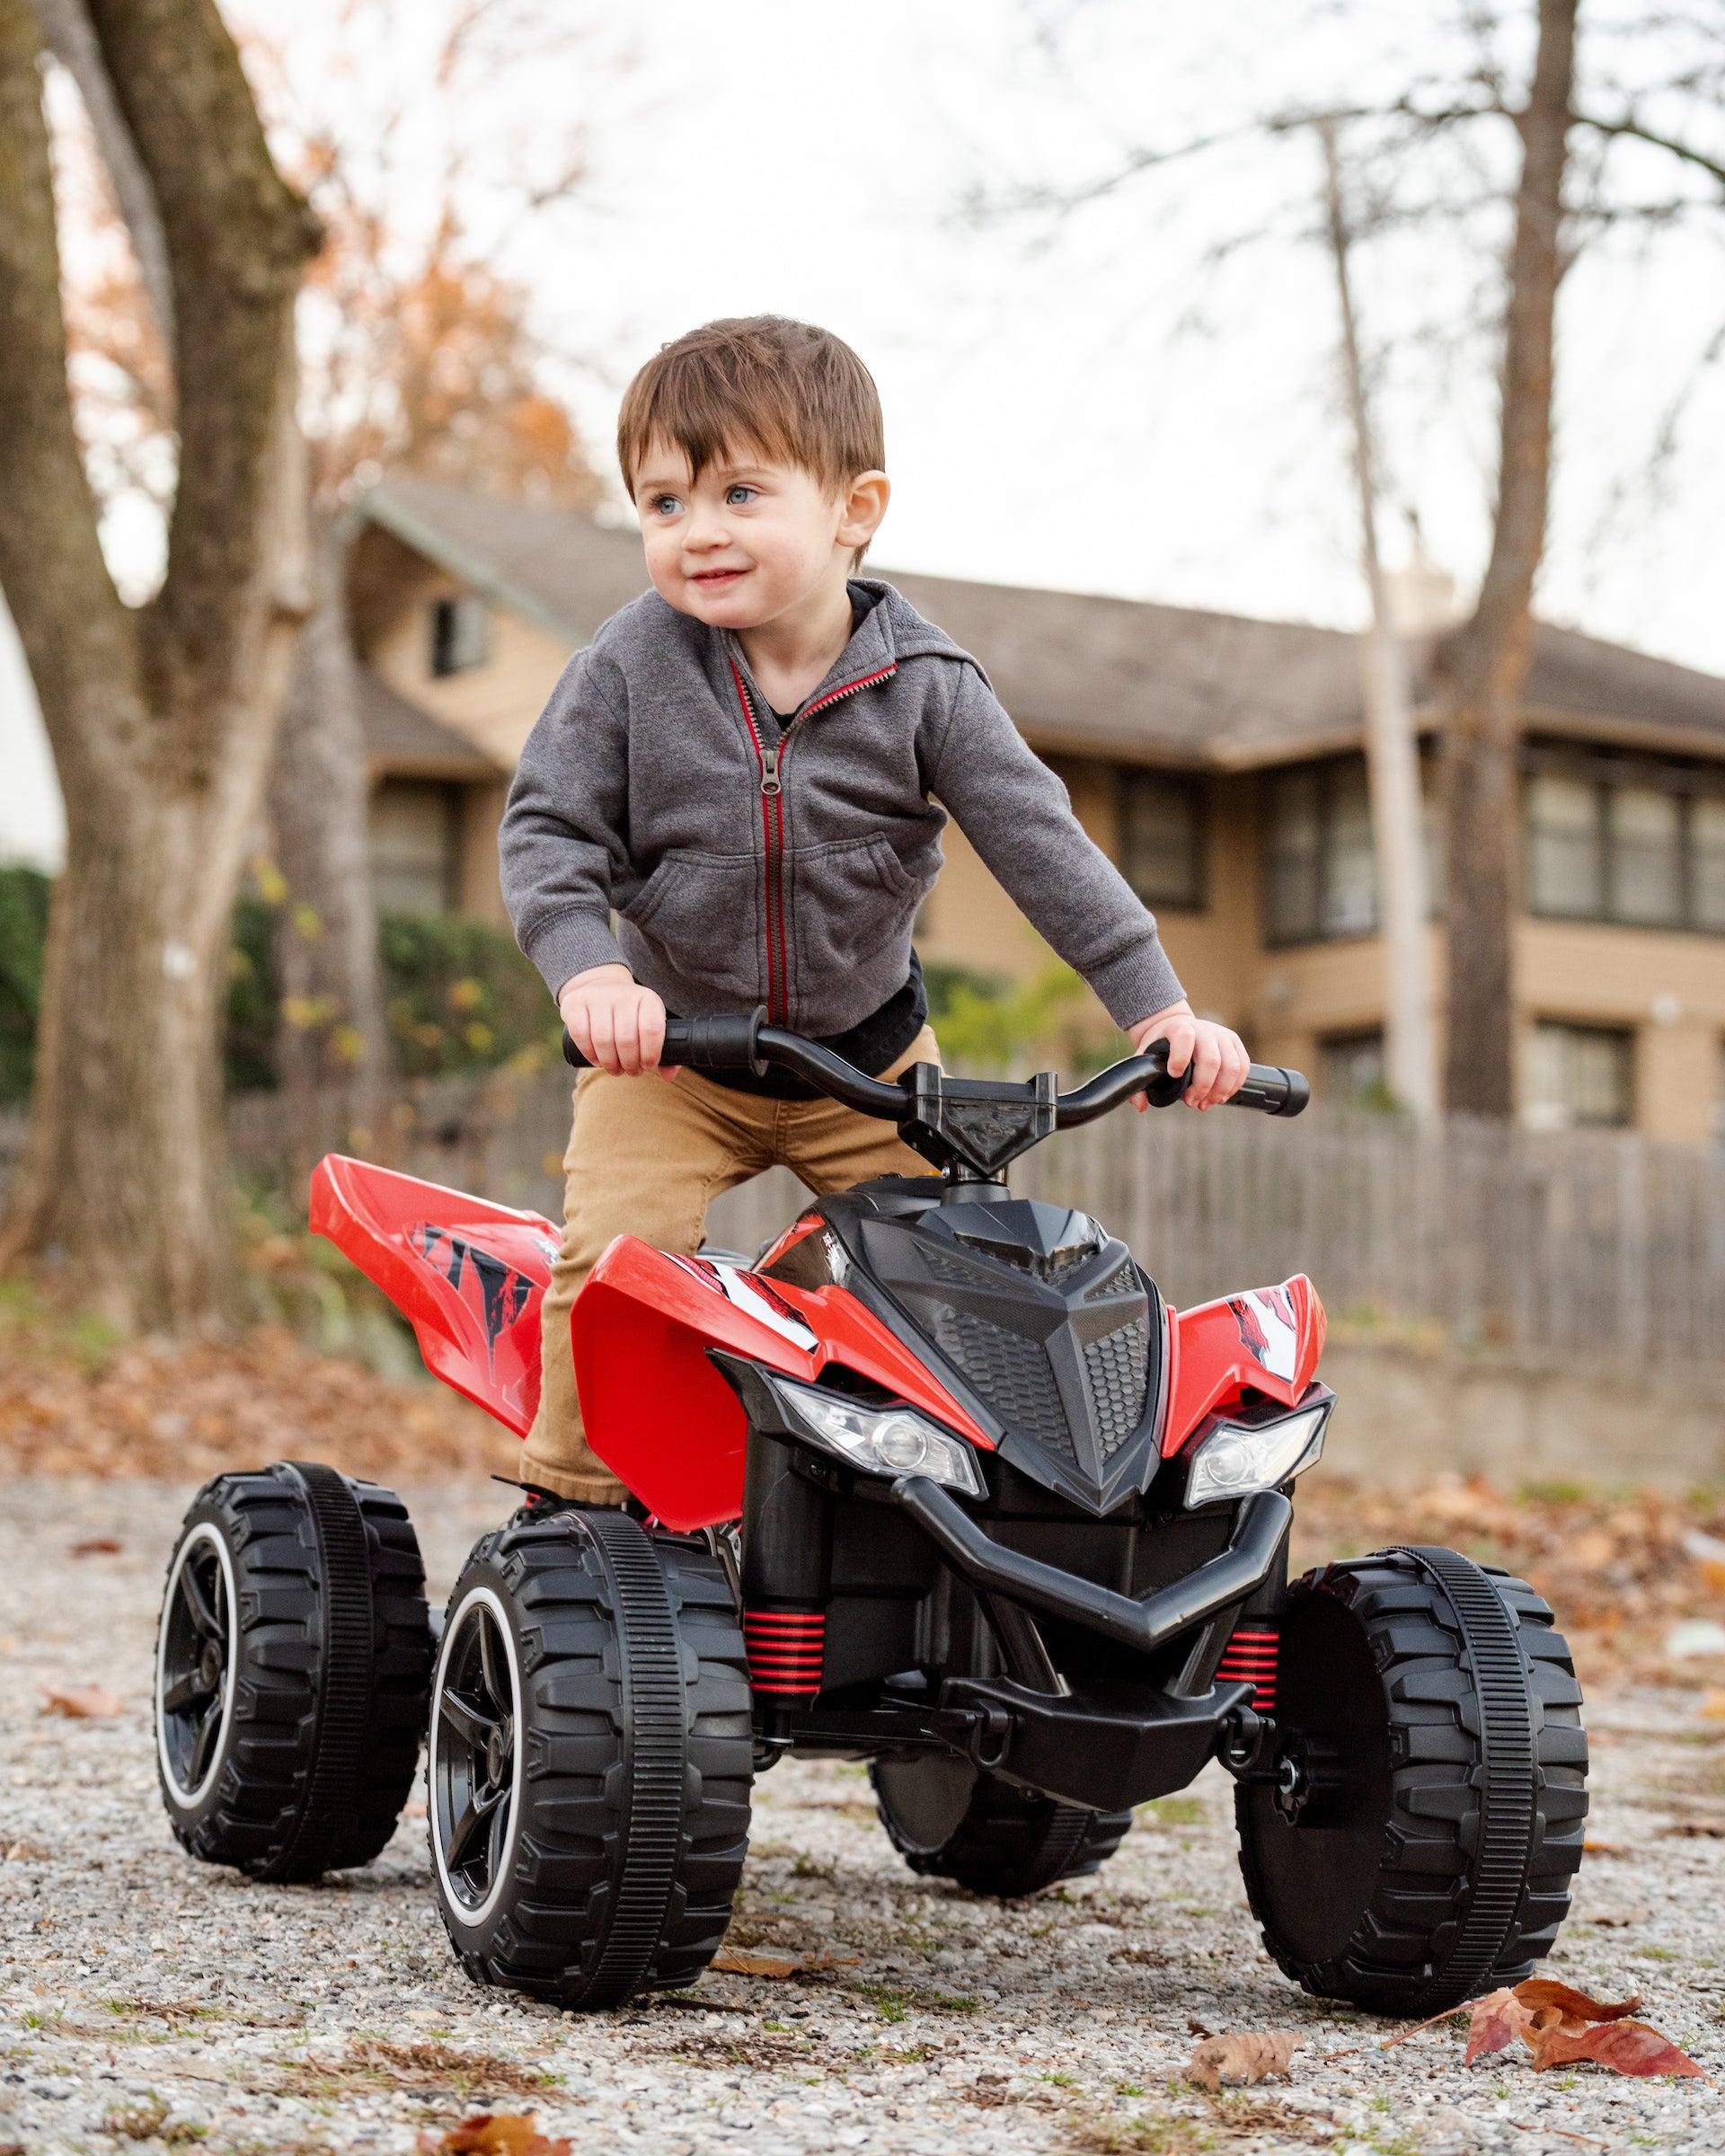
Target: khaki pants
647	1158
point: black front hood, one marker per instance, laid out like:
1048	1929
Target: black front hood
1049	1323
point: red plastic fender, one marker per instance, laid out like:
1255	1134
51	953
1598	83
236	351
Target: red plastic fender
1269	1338
468	1276
659	1415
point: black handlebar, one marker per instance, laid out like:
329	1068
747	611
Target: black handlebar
733	1043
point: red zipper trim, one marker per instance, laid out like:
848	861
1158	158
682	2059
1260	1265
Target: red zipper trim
778	962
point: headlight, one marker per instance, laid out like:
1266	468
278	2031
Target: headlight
881	1441
1244	1454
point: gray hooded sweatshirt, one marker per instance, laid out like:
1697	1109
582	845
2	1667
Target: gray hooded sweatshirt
745	866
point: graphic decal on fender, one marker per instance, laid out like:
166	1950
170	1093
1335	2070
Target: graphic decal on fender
1269	1329
758	1298
503	1293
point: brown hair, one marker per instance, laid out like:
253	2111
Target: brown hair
784	387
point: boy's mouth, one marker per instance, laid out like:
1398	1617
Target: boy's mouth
714	580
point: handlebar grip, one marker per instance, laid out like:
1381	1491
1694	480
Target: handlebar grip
1273	1090
724	1043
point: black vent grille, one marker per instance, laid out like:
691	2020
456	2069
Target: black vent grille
1117	1368
1121	1281
1012	1374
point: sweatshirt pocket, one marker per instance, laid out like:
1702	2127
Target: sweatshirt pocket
703	911
850	898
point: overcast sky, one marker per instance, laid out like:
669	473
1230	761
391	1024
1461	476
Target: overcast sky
1092	401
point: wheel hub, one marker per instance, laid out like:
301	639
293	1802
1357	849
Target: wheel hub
210	1665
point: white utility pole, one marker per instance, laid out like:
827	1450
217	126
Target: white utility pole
1392	749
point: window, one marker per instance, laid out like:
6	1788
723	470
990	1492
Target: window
1162	837
1350	1069
1611	839
1579	1076
1321	881
415	827
461	633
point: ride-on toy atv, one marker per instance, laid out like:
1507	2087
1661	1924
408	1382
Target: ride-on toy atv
941	1483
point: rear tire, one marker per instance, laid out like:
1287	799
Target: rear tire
1422	1847
293	1666
591	1755
951	1820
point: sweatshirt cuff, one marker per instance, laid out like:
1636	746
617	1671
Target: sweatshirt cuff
571	943
1138	984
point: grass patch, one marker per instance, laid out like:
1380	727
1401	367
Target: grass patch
379	2064
1173	1811
1169	2135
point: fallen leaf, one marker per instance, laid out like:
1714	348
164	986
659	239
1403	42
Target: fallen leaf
494	2133
97	1545
1494	2022
1543	1992
1709	1553
732	1964
1625	2046
81	1703
1247	2055
1713	1709
1607	1849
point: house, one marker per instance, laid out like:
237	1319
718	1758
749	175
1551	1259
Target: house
1217	759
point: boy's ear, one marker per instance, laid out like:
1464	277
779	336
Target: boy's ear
863	505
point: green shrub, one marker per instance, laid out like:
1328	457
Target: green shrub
461	997
248	1046
24	930
989	1023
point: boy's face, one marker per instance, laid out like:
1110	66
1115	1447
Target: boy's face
750	540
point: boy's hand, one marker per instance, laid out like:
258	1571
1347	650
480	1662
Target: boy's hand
615	1022
1218	1056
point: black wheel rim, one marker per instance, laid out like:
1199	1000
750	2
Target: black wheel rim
194	1690
474	1755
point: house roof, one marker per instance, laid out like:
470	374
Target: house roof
403	738
1079	672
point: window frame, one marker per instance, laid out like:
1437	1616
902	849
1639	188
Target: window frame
1193	788
1625	1044
1323	771
1608	771
458	610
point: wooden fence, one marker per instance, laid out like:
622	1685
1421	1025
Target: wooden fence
1591	1243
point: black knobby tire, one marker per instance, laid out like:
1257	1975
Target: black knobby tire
1422	1847
951	1820
591	1755
293	1668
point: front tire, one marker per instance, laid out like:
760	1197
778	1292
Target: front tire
292	1667
1420	1845
590	1757
951	1820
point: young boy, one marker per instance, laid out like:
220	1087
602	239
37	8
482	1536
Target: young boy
741	766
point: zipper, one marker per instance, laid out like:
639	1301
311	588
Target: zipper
771	763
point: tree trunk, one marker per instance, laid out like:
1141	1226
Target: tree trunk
332	1029
1391	745
162	720
1483	665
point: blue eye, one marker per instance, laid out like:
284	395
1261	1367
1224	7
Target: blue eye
666	505
735	497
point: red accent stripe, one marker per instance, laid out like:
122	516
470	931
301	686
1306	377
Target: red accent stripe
786	1648
1250	1657
778	948
849	689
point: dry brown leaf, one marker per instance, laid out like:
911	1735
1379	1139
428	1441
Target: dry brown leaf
97	1545
81	1703
1247	2054
1494	2022
1625	2046
1543	1992
730	1962
491	2133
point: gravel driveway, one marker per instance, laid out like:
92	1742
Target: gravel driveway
150	1999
